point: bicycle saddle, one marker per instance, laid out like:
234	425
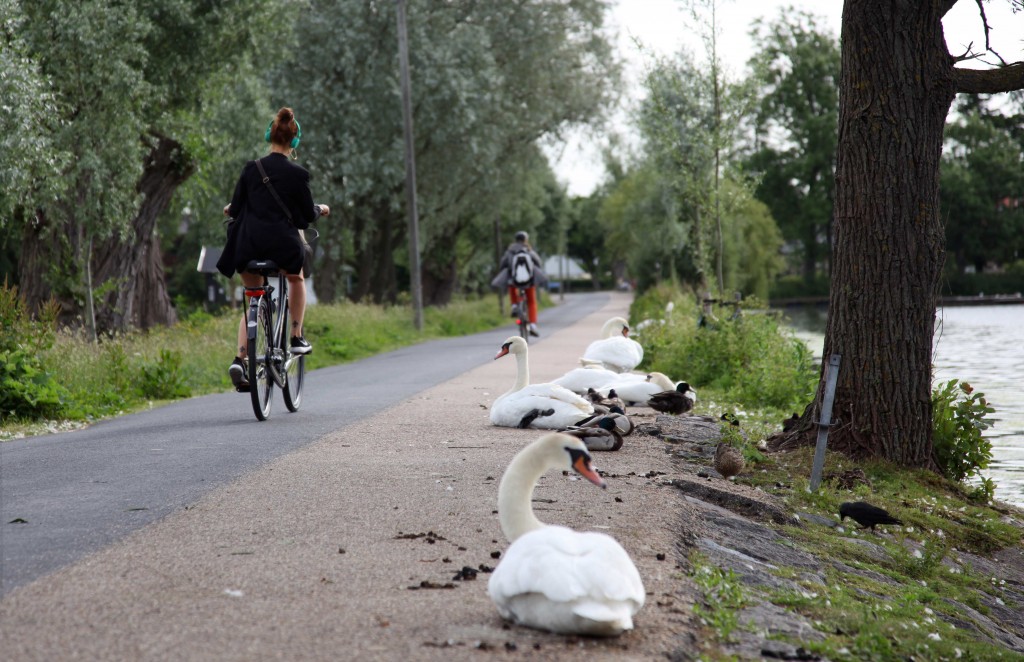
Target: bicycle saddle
263	267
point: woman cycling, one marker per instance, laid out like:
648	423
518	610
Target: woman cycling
518	258
268	229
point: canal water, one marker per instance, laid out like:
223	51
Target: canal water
983	345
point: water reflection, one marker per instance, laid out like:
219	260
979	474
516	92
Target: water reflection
979	344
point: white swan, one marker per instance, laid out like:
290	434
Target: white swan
535	405
551	577
578	380
615	350
634	391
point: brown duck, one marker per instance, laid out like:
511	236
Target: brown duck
728	460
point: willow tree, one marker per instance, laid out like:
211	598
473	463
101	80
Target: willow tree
897	85
489	81
130	105
795	152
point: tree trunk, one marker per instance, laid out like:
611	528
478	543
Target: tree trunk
896	89
41	254
439	281
375	255
329	278
440	267
811	253
140	298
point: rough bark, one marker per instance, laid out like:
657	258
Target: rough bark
439	279
140	298
897	85
329	277
41	254
439	276
375	243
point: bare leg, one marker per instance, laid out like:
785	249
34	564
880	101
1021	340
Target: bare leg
296	301
249	280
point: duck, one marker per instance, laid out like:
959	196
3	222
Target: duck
677	401
610	401
639	391
728	460
535	405
552	577
615	350
599	434
578	380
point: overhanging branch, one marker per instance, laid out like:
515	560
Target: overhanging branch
990	81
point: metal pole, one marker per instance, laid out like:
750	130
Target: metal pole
410	172
497	260
825	420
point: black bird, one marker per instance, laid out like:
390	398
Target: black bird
677	402
790	422
865	514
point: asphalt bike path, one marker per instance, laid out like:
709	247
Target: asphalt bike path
73	493
358	542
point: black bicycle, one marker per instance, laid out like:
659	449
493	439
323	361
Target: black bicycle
270	359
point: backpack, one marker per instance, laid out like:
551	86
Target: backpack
522	269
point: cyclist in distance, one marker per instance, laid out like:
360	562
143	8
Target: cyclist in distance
266	227
520	267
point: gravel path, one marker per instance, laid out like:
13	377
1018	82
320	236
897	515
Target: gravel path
346	549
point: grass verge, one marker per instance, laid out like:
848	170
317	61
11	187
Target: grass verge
89	381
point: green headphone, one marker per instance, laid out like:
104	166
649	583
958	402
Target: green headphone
295	140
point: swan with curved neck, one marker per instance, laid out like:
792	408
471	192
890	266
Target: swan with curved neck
551	577
535	405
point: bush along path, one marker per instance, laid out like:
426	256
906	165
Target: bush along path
781	577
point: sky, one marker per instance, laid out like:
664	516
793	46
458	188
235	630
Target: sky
661	27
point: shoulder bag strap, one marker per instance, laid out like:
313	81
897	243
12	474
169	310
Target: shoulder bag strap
266	180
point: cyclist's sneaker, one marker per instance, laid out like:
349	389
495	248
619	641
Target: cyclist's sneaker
238	376
300	346
533	330
515	310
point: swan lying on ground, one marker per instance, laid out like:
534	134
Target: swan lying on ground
639	391
535	405
615	350
551	577
578	380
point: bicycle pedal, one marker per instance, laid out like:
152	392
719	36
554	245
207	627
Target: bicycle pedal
243	389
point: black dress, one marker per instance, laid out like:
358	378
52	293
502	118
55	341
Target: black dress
263	231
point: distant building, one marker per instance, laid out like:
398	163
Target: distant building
562	266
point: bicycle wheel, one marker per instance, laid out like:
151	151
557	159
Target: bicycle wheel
261	382
296	370
523	320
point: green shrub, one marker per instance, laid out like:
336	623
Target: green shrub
165	379
750	359
27	390
958	423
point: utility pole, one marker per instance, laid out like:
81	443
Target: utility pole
497	260
410	172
